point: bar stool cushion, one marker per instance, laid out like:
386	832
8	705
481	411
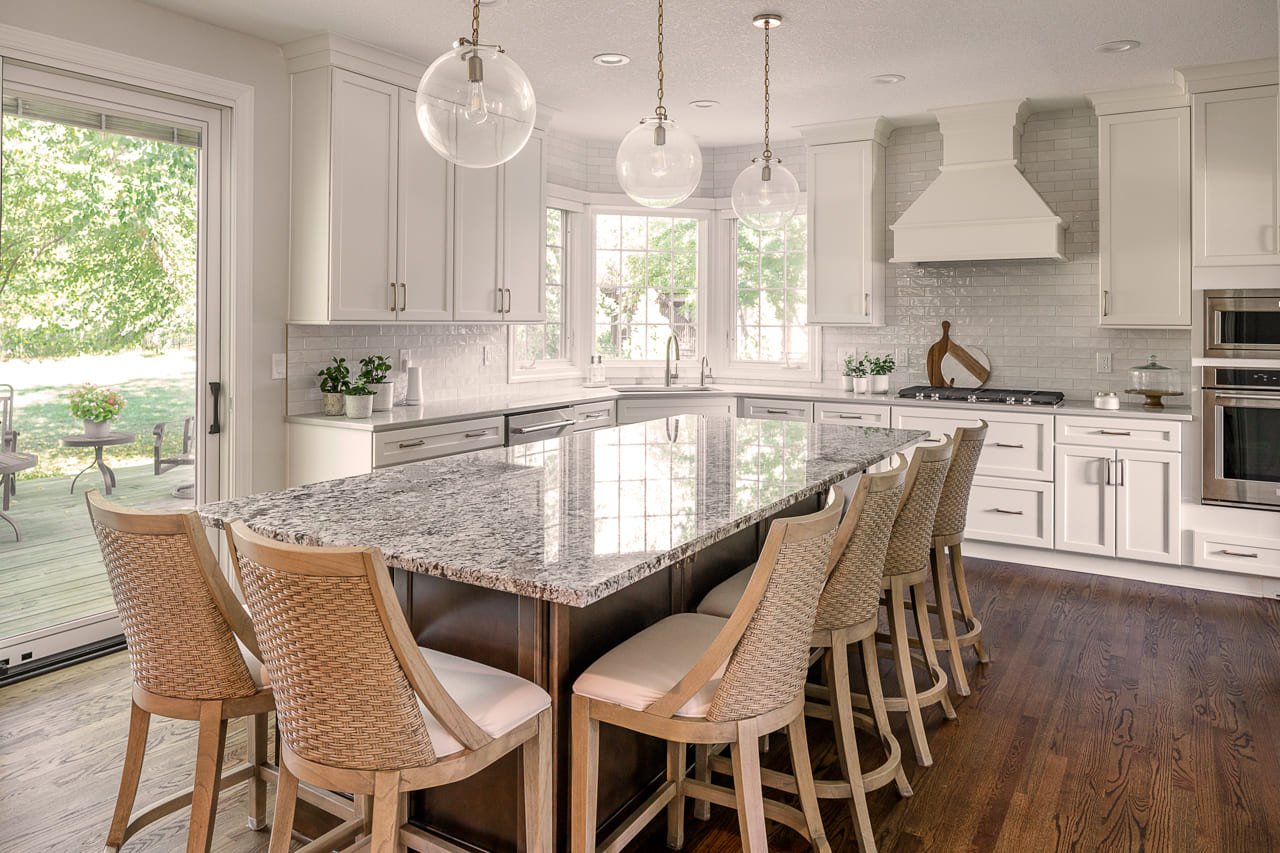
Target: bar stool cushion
723	600
644	668
498	701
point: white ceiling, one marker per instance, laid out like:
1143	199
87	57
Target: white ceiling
953	53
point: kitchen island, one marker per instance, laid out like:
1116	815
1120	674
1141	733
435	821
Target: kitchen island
539	558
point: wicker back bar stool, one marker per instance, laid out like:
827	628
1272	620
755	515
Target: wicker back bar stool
698	679
946	560
363	709
848	613
194	656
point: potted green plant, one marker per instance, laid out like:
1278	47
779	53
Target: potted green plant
374	370
880	366
97	407
358	401
334	381
854	376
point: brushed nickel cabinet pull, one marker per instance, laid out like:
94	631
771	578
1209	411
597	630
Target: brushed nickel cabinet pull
1237	554
866	304
1113	432
404	297
780	411
1106	303
478	434
592	416
393	297
404	445
507	302
1120	466
851	417
1002	444
1111	477
1007	511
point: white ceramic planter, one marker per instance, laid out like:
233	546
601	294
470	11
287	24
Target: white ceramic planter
847	383
334	404
359	406
383	395
861	384
97	429
880	384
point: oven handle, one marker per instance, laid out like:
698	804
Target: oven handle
1233	395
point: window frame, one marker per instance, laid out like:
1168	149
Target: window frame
572	365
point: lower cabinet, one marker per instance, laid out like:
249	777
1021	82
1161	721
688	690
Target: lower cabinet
851	414
687	403
1118	502
761	408
1012	512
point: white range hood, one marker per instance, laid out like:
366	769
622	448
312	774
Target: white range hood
980	208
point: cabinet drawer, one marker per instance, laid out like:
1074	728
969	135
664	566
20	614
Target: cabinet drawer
635	411
1011	511
1236	553
594	415
851	414
1119	432
1019	445
777	410
429	442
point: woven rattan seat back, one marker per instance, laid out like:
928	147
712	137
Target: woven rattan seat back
342	697
767	668
162	571
913	528
953	505
852	593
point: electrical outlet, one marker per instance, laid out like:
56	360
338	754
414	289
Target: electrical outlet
1104	362
278	365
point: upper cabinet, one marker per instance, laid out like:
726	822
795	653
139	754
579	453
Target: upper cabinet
1144	226
1235	187
846	207
383	229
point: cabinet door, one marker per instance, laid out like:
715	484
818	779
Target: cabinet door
425	231
846	233
477	200
1235	178
524	234
1147	501
1084	500
362	239
1144	227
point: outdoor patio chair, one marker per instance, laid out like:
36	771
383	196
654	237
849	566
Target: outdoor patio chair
8	435
187	457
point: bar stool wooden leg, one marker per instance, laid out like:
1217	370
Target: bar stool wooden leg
920	606
906	676
942	591
702	772
875	698
536	758
962	596
256	748
204	796
139	725
386	813
676	769
748	789
585	751
808	791
837	666
286	804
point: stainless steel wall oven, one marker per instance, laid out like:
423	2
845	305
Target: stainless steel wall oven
1242	437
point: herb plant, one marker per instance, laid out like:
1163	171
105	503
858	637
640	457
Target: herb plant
881	365
336	378
374	369
855	366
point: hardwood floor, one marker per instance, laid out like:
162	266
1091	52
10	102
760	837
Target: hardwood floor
1115	715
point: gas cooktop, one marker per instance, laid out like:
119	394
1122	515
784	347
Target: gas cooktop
982	395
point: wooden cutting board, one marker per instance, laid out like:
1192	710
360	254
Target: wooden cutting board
947	347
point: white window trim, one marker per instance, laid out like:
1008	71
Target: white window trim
572	366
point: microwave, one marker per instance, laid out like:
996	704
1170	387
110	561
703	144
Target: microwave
1242	324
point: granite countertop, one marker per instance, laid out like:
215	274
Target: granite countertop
576	518
477	407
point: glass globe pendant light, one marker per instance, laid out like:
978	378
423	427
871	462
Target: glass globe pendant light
766	194
475	106
658	163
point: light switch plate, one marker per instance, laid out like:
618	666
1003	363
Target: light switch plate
1104	362
279	369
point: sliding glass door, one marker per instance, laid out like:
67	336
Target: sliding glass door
109	335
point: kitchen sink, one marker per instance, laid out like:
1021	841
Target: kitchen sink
661	389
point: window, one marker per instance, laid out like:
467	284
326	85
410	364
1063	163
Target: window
646	285
547	343
769	303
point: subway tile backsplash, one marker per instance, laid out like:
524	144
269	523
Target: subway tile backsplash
1036	320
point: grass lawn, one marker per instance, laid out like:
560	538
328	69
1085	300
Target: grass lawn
42	416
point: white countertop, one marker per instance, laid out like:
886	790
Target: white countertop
446	411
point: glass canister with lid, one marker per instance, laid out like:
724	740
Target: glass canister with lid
1154	381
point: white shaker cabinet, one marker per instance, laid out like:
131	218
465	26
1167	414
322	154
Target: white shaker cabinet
477	202
1235	189
424	237
1144	227
846	209
524	234
1084	500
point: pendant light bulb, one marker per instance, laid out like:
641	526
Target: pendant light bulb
474	105
659	164
765	194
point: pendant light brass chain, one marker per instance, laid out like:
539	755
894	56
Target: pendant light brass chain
661	111
475	22
767	154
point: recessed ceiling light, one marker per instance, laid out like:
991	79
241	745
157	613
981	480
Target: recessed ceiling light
704	104
1121	46
888	79
610	60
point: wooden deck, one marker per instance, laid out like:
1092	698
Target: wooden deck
55	573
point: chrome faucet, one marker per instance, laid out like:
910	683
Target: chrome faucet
705	372
673	368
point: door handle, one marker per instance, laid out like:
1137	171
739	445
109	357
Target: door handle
866	304
507	309
404	297
1120	468
1106	302
1111	477
215	389
498	293
393	297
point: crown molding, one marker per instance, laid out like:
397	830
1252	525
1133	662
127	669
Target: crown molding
1196	79
1139	99
876	129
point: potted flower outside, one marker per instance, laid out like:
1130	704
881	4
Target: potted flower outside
855	375
334	381
97	407
358	400
880	367
374	371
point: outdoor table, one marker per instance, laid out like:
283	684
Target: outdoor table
98	443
